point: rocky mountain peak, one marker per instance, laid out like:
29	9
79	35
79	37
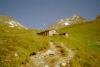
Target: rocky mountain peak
75	19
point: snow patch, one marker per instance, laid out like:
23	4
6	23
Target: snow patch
66	23
12	24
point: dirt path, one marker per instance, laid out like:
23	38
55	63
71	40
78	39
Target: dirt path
53	57
64	61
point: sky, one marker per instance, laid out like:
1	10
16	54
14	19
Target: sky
41	13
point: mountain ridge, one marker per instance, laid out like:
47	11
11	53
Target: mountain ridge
75	19
10	22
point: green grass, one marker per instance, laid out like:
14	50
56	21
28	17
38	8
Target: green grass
21	41
84	40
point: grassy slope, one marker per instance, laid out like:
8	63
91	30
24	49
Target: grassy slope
84	39
21	41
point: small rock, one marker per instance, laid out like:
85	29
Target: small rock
50	52
16	54
46	65
63	64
